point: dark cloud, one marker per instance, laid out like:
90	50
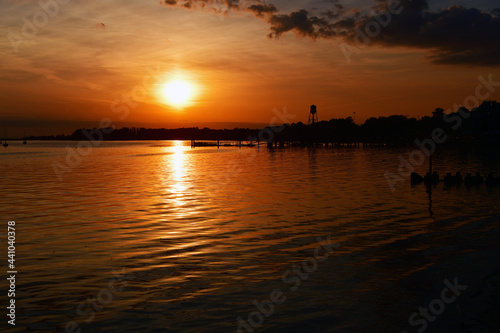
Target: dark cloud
230	4
455	35
299	22
336	11
261	9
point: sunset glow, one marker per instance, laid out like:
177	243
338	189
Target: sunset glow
178	93
175	63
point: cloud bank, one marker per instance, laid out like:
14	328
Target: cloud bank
455	35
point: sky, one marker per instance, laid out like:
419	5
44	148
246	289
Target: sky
68	64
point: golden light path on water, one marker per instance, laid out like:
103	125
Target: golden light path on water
176	166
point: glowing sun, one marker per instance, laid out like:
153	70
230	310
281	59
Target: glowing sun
178	93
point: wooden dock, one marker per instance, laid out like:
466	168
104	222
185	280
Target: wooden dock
282	144
224	143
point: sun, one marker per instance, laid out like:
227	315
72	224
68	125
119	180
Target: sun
178	93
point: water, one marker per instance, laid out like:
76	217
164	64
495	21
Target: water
160	237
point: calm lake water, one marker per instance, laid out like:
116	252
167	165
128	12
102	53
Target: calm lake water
159	237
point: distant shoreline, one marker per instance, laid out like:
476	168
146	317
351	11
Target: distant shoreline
481	124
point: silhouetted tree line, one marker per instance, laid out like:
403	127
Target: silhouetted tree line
479	124
135	133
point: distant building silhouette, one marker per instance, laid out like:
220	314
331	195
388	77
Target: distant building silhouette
313	115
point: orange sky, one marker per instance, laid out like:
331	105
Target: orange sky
73	70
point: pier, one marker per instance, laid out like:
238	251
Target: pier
223	143
272	144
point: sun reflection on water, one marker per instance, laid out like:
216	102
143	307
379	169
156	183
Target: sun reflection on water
175	182
177	163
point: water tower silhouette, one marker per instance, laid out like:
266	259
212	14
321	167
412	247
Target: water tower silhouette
313	115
